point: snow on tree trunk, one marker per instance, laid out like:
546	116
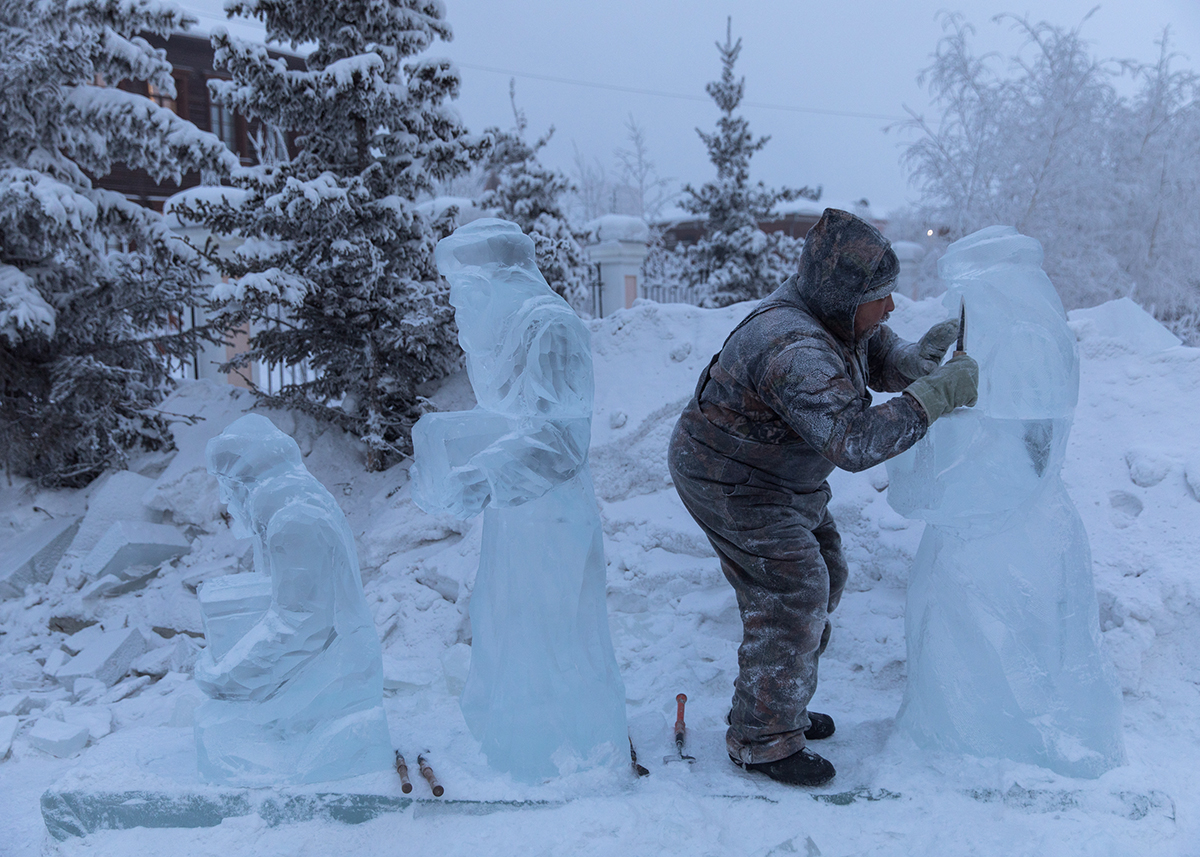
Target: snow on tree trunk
92	286
336	269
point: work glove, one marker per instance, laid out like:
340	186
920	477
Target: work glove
917	362
947	387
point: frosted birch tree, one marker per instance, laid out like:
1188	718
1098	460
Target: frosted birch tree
1046	142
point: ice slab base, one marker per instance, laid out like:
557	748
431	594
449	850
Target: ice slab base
78	813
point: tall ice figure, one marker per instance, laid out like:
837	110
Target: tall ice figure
543	691
1003	632
293	664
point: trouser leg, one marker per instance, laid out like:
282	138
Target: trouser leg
784	606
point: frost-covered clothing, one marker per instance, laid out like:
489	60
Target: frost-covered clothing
784	402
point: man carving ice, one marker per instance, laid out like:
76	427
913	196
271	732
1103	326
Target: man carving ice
783	403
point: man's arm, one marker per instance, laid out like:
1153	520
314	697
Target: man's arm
807	385
893	363
302	551
887	357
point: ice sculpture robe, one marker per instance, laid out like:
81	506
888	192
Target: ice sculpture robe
298	699
543	685
1003	636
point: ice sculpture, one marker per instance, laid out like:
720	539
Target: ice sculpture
1004	649
543	690
294	670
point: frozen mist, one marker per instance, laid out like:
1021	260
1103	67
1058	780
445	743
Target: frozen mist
1003	635
293	666
543	693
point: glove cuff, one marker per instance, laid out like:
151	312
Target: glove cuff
929	397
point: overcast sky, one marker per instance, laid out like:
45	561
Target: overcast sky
851	56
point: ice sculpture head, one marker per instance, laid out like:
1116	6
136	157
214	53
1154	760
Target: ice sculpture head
989	460
249	451
1016	327
491	268
528	353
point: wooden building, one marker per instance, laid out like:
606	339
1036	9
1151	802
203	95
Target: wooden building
192	59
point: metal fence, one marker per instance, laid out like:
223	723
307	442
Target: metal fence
668	293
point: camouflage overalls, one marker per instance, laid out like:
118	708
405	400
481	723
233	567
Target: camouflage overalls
783	403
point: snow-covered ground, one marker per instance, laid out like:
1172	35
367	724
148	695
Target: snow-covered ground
1133	469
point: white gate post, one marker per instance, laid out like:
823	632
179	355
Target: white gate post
620	246
909	254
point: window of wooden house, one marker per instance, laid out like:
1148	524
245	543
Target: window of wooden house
223	122
161	98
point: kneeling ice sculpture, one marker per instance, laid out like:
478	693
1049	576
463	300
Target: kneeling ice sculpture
1002	626
543	690
293	662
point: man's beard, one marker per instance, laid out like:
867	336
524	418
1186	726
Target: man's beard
874	329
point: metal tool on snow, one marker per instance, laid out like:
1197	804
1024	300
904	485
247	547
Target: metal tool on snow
680	732
427	773
961	347
640	770
402	770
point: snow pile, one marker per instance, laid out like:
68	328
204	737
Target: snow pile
1132	469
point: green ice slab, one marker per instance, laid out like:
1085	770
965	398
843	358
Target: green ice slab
78	813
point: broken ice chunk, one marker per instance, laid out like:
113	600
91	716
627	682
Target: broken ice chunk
107	659
19	704
30	557
8	729
58	738
119	498
96	719
80	640
130	544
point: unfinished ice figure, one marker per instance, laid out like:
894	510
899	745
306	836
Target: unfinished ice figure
1004	649
293	662
543	692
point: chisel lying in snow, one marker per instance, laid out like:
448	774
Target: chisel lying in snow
680	731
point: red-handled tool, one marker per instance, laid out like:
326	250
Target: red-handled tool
680	732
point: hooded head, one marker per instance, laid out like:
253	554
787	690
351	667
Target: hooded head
249	451
491	267
846	262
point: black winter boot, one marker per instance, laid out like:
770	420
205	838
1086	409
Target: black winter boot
804	768
819	726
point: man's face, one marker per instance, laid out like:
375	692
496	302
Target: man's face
871	314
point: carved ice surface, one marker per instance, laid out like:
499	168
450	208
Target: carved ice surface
1004	650
543	684
296	679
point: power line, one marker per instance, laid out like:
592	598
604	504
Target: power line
681	96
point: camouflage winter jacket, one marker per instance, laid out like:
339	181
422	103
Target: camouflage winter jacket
786	400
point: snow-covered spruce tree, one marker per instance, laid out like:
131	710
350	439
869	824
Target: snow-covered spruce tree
1045	142
736	260
89	282
337	264
530	194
